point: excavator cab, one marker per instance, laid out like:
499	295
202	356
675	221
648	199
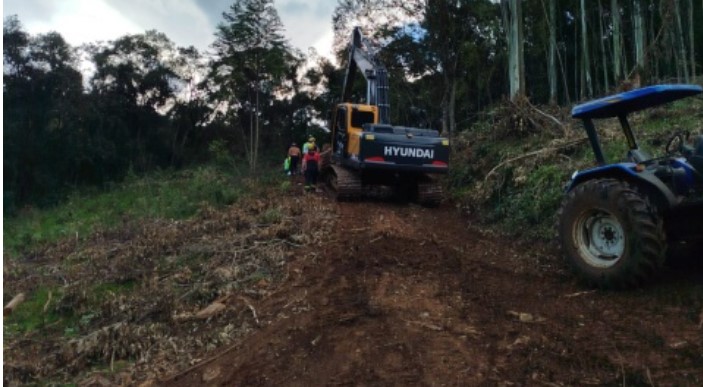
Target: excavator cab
348	124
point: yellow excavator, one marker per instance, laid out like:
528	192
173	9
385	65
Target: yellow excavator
369	154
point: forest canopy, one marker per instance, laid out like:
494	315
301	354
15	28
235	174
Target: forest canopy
149	104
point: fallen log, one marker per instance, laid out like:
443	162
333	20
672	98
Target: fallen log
553	149
10	307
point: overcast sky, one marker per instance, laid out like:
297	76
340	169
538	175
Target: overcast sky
307	23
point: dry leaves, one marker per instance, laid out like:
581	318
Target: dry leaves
154	296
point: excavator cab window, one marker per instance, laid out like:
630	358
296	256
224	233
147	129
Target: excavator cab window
359	118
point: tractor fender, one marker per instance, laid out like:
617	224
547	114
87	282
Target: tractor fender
659	193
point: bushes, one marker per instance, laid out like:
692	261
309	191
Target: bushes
516	181
161	194
530	203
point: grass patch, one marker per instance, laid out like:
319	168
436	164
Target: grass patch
30	315
162	194
532	203
271	216
38	312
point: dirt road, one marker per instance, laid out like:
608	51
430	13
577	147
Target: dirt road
403	295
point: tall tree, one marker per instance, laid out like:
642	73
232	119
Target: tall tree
552	66
601	38
691	40
135	84
585	54
454	32
683	58
512	17
617	40
639	36
42	103
252	58
191	110
15	47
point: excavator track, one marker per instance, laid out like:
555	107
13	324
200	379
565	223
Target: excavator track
345	183
429	192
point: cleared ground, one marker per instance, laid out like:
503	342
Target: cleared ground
403	295
315	292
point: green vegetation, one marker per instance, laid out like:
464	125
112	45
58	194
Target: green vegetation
158	195
522	197
532	204
44	309
272	215
30	315
162	194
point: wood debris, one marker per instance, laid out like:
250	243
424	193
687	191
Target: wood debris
10	307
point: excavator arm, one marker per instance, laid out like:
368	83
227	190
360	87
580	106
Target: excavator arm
361	58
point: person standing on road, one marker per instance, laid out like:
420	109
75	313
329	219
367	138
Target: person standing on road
311	167
307	145
294	154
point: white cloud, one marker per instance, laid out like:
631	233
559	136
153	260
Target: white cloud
307	23
83	22
183	21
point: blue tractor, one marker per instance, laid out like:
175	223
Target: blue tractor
617	218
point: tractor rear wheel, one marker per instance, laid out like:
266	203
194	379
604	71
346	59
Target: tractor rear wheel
610	234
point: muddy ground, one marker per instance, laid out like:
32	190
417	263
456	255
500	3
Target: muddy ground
397	294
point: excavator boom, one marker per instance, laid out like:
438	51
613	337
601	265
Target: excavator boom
374	72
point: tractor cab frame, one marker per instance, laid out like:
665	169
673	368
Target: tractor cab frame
615	217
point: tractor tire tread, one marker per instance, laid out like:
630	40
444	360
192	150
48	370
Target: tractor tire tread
645	225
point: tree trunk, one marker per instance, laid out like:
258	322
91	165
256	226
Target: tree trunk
585	52
257	128
554	50
639	35
251	138
445	105
656	39
577	73
617	40
680	40
255	143
675	62
452	107
667	55
552	69
449	99
520	47
651	38
691	40
606	84
516	64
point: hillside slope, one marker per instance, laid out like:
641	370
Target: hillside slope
302	290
